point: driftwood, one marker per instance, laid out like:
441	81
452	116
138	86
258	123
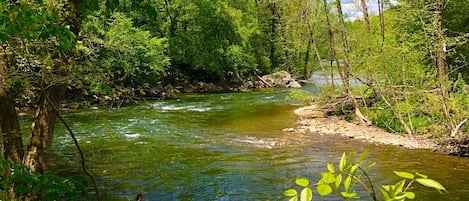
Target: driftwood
263	81
456	146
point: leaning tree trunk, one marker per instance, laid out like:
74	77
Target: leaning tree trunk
37	157
398	113
40	143
346	72
11	142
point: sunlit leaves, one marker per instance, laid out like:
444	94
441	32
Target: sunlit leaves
332	181
342	162
431	183
302	182
290	192
405	175
324	189
306	194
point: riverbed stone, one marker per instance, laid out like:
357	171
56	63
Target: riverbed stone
309	112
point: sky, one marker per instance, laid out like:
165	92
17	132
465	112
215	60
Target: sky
353	8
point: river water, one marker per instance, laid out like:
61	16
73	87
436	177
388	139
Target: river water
226	146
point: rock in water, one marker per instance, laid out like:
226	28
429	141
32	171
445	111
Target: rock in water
281	79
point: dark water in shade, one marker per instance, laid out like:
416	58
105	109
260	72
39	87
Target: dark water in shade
226	146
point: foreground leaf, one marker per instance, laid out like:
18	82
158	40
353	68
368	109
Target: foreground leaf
324	189
421	175
306	194
342	162
410	195
327	177
330	168
349	194
290	192
338	180
302	182
430	183
405	175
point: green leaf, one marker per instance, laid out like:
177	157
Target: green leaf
399	186
327	177
324	189
347	182
386	187
290	192
410	195
330	168
431	183
353	169
421	175
405	175
342	162
370	166
302	182
349	194
352	157
363	155
306	194
338	180
384	191
294	198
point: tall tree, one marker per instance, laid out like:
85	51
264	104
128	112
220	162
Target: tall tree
347	65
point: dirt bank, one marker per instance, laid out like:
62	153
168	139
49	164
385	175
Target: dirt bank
334	125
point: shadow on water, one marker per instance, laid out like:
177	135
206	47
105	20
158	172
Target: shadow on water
226	147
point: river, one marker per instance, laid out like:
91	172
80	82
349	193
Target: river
226	146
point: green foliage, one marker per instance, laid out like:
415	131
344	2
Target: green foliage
33	21
48	186
349	172
301	97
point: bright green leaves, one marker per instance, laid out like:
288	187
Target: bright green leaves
324	189
399	191
328	178
290	192
302	182
34	21
405	175
306	193
342	162
342	180
431	183
132	52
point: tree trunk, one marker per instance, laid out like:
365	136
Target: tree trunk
440	44
273	35
347	66
366	18
318	56
40	143
37	157
332	50
440	62
398	113
308	50
11	142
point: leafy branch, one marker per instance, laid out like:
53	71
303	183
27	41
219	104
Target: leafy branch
343	178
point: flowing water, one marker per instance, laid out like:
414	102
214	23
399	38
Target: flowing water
226	146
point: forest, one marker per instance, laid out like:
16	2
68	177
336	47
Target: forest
410	57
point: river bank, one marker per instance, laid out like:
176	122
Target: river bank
335	125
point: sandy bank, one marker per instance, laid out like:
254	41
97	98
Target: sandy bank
336	126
